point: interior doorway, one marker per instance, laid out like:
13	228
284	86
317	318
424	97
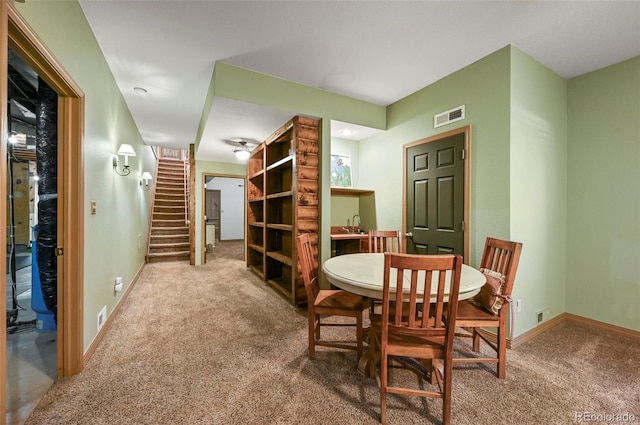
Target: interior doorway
223	210
212	213
436	195
32	283
68	244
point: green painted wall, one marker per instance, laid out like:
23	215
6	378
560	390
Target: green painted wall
343	209
517	112
112	235
242	84
603	259
538	188
483	87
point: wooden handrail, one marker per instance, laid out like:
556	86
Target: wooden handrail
153	204
186	192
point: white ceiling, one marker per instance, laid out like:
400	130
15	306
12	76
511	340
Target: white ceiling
377	51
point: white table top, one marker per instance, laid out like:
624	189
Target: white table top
363	274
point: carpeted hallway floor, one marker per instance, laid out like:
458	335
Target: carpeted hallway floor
213	345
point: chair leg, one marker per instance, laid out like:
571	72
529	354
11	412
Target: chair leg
383	389
476	341
446	400
318	324
359	334
368	362
312	331
502	352
430	368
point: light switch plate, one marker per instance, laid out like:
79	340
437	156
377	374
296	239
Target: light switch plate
94	207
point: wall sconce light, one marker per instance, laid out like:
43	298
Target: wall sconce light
126	151
144	180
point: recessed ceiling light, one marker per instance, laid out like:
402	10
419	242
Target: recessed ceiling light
347	132
140	90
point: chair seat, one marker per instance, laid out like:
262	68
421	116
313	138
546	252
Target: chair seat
469	311
406	345
338	298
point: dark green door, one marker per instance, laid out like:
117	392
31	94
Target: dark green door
435	196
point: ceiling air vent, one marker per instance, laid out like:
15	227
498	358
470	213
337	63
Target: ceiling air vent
455	114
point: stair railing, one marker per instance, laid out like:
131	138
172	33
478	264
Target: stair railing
186	192
151	210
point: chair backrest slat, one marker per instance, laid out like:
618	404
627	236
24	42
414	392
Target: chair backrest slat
385	241
415	274
503	257
308	266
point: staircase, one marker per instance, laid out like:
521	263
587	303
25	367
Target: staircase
169	233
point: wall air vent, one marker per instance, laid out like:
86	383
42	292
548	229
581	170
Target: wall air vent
447	117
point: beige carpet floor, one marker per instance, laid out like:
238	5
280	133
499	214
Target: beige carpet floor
213	345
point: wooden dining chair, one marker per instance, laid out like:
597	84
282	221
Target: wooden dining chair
490	308
385	241
419	336
327	302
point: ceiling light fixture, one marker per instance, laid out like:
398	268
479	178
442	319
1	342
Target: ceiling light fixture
242	152
347	132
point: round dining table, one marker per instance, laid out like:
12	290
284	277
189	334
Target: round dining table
363	274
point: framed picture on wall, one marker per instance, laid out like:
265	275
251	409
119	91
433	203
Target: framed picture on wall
341	171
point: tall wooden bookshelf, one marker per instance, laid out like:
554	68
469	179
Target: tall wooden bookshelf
282	203
254	238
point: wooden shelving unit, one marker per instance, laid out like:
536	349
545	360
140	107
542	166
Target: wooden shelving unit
255	211
345	191
282	203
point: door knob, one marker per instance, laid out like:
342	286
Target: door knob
409	235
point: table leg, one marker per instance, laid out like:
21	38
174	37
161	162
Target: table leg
367	363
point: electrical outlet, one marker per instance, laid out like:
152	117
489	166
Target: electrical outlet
518	306
542	315
102	317
118	286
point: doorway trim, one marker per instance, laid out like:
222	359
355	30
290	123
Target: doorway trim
203	213
17	34
466	130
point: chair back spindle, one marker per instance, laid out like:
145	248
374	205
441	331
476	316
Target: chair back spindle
385	241
308	266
